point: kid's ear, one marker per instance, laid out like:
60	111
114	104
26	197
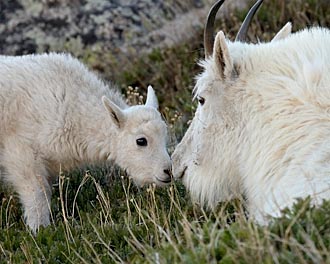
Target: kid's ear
115	112
151	98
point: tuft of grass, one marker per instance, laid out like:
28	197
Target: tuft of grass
121	223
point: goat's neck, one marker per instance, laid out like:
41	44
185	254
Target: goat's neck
98	135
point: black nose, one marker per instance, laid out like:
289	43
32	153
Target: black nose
168	172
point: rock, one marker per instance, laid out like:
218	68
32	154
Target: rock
24	22
121	27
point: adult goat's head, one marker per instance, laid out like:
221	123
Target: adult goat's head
207	159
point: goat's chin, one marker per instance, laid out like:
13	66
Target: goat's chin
161	183
147	181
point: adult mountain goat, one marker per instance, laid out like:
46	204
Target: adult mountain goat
262	126
57	114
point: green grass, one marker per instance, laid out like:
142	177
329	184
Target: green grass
99	216
99	222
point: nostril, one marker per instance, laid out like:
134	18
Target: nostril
168	172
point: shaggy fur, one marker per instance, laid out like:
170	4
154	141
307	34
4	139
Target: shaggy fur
264	128
55	114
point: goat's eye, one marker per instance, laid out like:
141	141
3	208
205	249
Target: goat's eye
201	100
142	142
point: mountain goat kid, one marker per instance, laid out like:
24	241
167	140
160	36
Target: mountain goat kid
262	126
57	114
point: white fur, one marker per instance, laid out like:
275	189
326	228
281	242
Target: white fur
52	117
264	129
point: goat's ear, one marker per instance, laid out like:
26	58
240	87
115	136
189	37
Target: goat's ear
151	98
115	112
284	32
221	56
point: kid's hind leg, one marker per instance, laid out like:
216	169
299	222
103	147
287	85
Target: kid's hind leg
28	175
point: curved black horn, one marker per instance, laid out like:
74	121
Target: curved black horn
208	30
241	35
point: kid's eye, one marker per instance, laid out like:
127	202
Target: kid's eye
201	100
142	142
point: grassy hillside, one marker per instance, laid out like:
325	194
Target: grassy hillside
99	216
